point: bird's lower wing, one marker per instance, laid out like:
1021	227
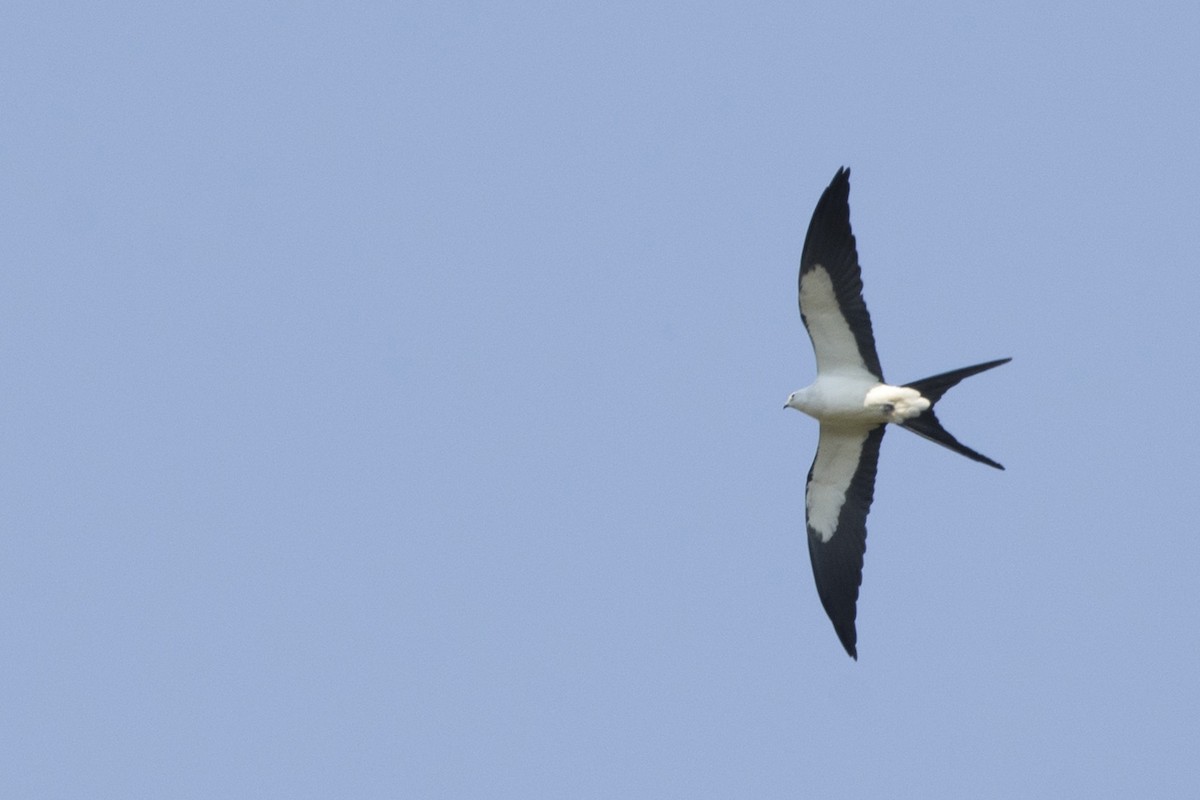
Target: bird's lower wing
841	485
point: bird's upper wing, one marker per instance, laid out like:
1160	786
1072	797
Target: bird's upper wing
841	485
831	301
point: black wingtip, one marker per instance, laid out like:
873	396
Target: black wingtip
839	187
843	616
848	635
834	203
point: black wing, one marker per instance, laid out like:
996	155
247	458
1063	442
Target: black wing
841	485
830	284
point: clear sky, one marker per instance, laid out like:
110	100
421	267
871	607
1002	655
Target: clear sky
391	400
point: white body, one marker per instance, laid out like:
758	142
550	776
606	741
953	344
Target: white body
857	398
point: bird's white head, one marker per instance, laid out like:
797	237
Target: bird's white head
796	400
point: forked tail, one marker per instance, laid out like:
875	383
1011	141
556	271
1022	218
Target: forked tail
927	424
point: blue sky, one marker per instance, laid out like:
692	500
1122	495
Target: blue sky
392	400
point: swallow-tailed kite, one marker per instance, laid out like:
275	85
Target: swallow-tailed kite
853	404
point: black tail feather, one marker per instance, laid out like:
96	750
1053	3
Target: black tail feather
927	424
933	388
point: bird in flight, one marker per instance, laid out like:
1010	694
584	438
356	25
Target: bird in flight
854	404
